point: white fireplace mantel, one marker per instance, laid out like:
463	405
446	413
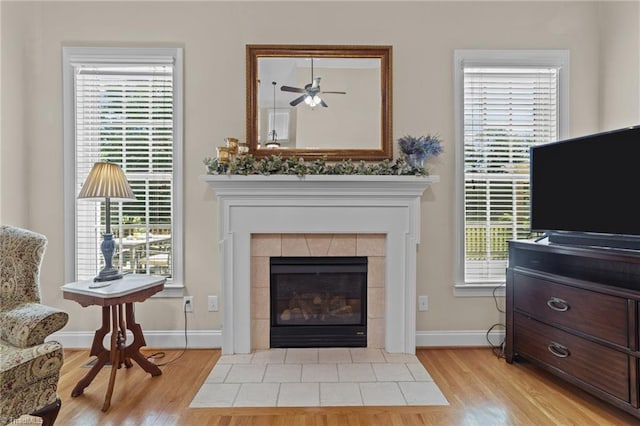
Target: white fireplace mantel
317	204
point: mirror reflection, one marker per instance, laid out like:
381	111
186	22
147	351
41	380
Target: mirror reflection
303	103
319	101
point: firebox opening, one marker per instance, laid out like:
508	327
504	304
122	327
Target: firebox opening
318	302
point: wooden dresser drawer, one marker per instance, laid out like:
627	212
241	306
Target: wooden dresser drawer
599	315
589	362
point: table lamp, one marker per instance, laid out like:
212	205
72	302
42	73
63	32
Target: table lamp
107	180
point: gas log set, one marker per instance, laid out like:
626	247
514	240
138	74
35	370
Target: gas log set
318	302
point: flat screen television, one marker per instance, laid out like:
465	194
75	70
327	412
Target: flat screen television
586	190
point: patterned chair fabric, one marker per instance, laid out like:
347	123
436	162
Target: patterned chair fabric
29	366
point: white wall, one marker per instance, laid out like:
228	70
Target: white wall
620	64
17	39
214	35
352	119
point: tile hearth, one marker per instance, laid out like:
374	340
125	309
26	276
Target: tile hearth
318	377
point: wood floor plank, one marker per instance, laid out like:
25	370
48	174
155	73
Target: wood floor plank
481	388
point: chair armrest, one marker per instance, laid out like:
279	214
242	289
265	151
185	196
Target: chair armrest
29	324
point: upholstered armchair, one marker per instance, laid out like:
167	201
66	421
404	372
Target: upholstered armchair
29	366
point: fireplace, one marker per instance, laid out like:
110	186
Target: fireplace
318	204
318	301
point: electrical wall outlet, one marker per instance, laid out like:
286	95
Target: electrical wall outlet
212	301
187	303
423	303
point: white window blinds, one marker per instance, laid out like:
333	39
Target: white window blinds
505	111
279	121
124	113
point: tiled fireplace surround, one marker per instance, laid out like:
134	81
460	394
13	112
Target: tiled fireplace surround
264	246
263	216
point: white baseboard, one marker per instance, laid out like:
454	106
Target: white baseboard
165	339
458	338
208	339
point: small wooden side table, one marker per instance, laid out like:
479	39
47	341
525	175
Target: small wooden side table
118	299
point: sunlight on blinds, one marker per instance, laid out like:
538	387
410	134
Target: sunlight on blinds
124	115
506	110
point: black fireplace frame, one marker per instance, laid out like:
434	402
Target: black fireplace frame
333	335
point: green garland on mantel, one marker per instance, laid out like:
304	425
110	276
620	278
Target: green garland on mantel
276	165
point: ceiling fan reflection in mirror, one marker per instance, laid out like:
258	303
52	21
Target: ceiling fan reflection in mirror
310	93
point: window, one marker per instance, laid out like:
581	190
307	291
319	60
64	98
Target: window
123	105
279	121
506	101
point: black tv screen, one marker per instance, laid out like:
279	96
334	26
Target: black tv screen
588	184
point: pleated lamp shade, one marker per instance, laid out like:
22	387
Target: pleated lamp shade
106	180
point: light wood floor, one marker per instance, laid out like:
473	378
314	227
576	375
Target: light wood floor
481	389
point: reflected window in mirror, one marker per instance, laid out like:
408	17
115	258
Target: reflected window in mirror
276	127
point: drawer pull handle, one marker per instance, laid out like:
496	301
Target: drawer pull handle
558	304
559	350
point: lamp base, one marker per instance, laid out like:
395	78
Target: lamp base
108	275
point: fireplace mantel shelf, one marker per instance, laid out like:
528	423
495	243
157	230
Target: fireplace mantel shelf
319	204
314	185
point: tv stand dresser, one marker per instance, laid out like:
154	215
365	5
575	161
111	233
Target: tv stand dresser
574	312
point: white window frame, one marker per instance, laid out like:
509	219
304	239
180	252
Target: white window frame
282	117
558	58
124	55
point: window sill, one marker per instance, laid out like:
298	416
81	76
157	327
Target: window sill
479	290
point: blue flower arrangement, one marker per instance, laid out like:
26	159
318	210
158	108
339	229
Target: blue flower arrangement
417	149
428	146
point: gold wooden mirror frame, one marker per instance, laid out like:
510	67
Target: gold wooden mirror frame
377	152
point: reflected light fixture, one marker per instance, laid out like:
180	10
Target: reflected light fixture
108	181
273	142
313	100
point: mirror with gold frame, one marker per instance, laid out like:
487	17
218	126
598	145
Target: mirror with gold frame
316	101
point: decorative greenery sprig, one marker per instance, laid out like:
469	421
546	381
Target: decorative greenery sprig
276	165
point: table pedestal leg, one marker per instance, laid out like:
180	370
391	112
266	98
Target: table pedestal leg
98	350
116	341
118	353
133	350
121	344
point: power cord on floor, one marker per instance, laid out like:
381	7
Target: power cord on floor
161	354
498	349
